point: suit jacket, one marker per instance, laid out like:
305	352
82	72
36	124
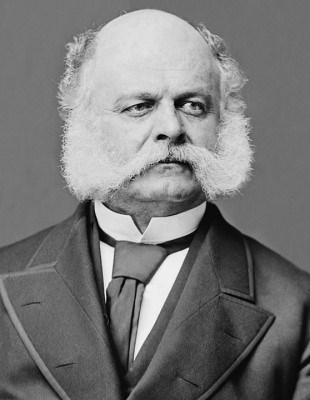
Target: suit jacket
240	329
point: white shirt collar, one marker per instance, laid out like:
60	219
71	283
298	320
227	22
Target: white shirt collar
159	230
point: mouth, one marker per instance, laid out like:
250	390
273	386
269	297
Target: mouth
171	160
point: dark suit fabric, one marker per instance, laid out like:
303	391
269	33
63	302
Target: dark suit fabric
240	329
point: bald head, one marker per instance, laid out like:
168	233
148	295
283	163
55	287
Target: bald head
146	36
150	33
145	49
145	20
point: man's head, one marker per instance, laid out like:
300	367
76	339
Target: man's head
153	111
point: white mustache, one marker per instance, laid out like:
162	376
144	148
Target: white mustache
152	155
162	153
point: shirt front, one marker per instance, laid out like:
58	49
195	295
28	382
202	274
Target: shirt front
159	230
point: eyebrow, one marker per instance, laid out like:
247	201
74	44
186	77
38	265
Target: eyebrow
135	95
189	94
151	96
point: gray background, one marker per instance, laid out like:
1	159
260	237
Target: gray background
270	38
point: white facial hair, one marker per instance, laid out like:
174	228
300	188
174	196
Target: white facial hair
94	169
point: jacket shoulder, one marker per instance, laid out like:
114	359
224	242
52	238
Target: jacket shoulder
278	274
17	256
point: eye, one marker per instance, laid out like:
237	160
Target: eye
139	109
194	108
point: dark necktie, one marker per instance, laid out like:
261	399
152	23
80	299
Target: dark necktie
134	266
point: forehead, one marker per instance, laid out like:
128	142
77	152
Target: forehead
164	55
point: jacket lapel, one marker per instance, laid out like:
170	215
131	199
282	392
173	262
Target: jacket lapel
56	309
215	324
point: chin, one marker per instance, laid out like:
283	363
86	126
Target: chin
166	190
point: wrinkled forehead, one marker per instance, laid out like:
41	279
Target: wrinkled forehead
154	41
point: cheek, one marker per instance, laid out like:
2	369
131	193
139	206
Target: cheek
126	136
204	133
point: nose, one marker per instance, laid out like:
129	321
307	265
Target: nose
168	125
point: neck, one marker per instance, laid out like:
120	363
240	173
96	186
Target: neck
143	212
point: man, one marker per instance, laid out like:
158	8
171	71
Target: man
146	292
